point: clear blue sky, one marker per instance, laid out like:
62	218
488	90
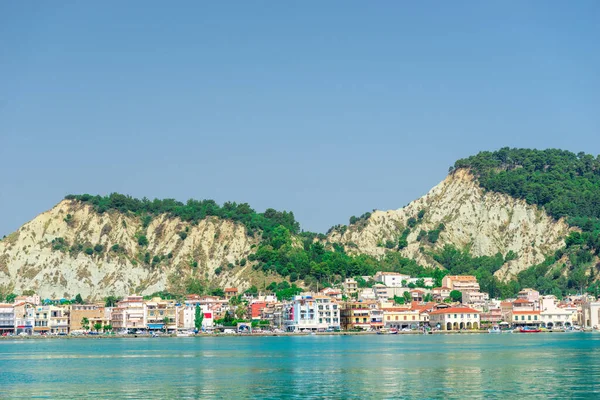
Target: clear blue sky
327	109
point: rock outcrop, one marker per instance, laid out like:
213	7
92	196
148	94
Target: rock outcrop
485	222
51	253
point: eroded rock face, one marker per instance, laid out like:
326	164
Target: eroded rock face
30	260
486	222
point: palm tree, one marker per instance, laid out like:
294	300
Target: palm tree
85	324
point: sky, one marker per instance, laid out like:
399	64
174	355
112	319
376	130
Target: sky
327	109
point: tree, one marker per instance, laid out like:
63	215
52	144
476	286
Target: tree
456	295
98	248
166	322
97	326
110	301
198	318
11	298
143	241
107	328
78	299
407	297
85	324
217	292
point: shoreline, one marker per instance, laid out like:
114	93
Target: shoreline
207	335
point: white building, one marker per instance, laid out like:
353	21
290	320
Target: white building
189	316
392	279
591	314
455	318
7	318
312	313
553	316
350	286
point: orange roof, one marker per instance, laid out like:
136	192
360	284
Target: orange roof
462	278
417	291
454	310
521	301
231	289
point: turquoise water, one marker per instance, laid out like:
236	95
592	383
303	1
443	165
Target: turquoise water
391	366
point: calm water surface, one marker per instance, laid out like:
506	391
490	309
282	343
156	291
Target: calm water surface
432	366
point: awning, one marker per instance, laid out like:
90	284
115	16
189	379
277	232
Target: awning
156	326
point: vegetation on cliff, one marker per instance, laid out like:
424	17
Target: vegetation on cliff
564	183
193	211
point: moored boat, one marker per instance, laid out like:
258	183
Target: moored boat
529	329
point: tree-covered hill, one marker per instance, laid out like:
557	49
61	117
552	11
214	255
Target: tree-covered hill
564	183
194	211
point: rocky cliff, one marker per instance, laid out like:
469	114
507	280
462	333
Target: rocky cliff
485	222
73	249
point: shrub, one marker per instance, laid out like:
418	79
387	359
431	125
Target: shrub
182	235
89	251
98	248
143	240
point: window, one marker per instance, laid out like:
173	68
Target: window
468	315
454	315
529	317
535	317
522	318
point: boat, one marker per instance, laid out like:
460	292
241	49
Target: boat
393	331
502	327
529	329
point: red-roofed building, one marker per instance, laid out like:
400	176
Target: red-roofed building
256	309
455	318
230	292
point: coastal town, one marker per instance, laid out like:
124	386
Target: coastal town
391	303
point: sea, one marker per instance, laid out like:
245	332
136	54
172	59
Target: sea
545	365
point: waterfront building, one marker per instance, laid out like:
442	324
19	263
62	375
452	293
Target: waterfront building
362	314
24	317
42	318
455	318
160	314
129	314
525	317
402	317
58	320
306	312
93	312
462	283
7	318
491	315
553	316
187	316
590	312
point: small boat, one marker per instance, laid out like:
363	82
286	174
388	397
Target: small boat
393	331
529	329
495	329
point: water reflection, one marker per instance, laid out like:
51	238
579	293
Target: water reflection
457	366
